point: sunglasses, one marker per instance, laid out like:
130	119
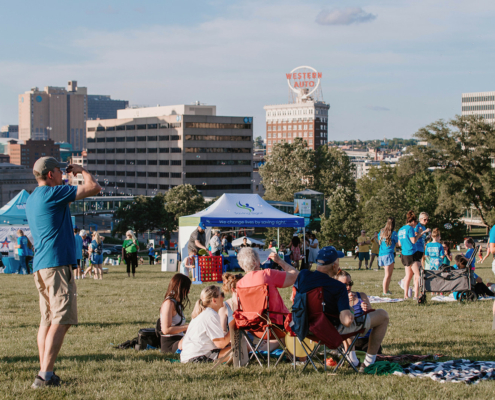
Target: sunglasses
222	294
350	284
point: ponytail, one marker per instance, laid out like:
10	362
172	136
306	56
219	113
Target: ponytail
207	295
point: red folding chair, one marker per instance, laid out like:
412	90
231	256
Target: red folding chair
324	333
254	316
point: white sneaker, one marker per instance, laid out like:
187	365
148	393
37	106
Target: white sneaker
401	284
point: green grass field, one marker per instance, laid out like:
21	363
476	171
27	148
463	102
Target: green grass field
111	311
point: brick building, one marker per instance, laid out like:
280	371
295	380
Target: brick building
27	154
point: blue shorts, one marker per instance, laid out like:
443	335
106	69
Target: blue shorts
385	260
364	256
96	259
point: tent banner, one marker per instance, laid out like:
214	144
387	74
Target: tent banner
8	236
248	222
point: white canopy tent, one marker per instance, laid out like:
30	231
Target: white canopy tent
236	210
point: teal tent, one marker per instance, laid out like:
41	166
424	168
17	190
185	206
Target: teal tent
14	212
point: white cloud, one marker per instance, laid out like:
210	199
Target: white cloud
377	108
344	16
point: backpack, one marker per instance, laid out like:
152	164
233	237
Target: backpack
98	250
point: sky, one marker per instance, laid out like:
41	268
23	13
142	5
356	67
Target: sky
389	67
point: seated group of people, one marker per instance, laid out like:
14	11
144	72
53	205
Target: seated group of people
207	338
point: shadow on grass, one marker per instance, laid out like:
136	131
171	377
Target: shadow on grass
98	324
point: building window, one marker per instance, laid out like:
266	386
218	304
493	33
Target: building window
110	162
120	162
141	126
152	150
130	150
152	174
174	137
110	150
141	150
152	126
176	162
100	140
164	137
222	138
130	139
120	173
163	125
141	138
91	161
141	174
163	187
223	187
110	139
111	173
152	162
175	175
163	174
152	138
176	150
120	128
100	151
100	162
131	162
212	125
218	174
141	162
130	127
131	185
163	149
121	139
216	150
110	128
131	173
120	150
163	162
141	185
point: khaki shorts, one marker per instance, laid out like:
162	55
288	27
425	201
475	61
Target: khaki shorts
58	295
344	330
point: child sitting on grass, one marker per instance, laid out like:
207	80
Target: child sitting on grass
434	253
480	288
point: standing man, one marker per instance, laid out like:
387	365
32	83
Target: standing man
245	243
363	242
216	244
79	251
375	249
48	214
197	240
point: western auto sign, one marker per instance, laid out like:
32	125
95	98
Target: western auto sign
303	78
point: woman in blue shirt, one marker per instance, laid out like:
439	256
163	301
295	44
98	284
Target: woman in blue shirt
387	238
22	251
407	240
96	252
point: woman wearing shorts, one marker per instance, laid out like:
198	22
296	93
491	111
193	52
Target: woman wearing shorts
387	239
96	252
407	241
420	243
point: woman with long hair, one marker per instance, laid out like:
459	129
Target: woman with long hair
205	340
226	313
407	240
387	239
172	318
295	251
130	249
96	255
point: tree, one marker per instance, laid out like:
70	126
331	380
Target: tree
258	142
183	200
289	169
342	226
142	215
286	235
461	151
333	169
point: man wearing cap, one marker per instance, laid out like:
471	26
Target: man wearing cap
48	214
197	239
337	302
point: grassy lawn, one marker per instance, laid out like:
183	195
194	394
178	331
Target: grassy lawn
111	311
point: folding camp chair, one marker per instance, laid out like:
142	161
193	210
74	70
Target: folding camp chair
324	333
254	316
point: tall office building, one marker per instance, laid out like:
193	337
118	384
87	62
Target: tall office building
103	107
9	131
305	116
149	150
479	103
54	113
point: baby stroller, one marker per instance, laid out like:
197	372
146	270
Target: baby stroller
449	279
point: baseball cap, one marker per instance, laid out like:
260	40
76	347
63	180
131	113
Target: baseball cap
44	165
328	255
202	225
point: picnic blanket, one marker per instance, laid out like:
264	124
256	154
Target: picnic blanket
466	371
377	299
450	297
407	358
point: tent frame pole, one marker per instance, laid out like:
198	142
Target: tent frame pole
304	244
278	238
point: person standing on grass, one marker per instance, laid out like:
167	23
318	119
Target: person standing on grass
22	251
48	215
197	240
96	255
387	238
420	243
216	244
151	254
130	249
79	252
363	242
375	249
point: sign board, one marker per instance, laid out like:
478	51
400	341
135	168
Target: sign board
302	207
303	78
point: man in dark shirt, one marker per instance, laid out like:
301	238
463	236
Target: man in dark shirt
337	302
244	243
197	240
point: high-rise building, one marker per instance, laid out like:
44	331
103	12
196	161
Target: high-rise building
305	116
54	113
103	107
149	150
27	153
479	103
9	131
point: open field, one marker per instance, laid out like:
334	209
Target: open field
111	311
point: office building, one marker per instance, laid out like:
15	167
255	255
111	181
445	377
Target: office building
479	103
14	178
9	131
54	113
148	150
27	153
103	107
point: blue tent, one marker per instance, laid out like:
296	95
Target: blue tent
14	212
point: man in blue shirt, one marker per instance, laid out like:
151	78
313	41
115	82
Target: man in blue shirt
79	248
337	302
48	214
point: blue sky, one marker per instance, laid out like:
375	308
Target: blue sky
389	67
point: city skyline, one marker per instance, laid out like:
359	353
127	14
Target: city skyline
384	75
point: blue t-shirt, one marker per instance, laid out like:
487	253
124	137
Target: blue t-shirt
492	235
386	250
151	251
405	235
334	291
48	214
23	251
79	246
468	256
436	253
420	243
97	248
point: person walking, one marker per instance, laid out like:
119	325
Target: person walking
375	249
48	215
130	249
387	239
363	242
79	252
22	251
96	255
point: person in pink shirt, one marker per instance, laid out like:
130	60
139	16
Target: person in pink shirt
249	261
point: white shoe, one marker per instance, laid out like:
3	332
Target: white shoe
401	284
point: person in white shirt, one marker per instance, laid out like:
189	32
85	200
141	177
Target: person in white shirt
216	244
205	340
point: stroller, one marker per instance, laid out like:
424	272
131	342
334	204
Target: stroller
449	279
